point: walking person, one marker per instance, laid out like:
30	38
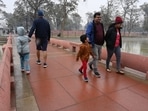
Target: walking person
114	43
84	53
42	35
23	49
95	33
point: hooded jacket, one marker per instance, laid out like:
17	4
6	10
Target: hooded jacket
42	29
22	41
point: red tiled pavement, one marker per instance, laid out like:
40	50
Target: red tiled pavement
60	87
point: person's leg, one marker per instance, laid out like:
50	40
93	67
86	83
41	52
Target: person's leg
95	52
91	61
27	65
22	62
99	52
38	48
118	57
44	56
44	45
38	54
81	68
95	60
84	68
84	62
109	55
97	48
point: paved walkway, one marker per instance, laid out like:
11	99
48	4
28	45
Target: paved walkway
60	87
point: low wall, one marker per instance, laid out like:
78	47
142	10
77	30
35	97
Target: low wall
133	61
78	33
5	76
68	34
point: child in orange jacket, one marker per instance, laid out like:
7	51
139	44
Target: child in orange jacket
84	53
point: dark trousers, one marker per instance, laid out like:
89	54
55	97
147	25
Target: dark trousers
110	53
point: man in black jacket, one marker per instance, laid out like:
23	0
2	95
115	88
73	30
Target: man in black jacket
42	35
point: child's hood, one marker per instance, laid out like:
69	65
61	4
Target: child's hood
20	31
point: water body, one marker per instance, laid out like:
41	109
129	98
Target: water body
135	46
132	45
0	52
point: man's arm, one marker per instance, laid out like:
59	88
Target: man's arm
32	29
88	32
49	33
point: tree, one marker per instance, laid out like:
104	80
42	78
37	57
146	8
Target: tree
2	5
19	14
55	12
68	6
144	7
89	16
130	14
76	20
54	15
108	13
31	6
132	19
25	11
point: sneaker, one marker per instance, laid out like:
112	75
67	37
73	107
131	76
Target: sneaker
97	74
27	72
85	79
90	66
120	72
80	71
108	70
44	65
23	70
38	62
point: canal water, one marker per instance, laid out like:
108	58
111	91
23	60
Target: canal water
0	52
135	46
132	45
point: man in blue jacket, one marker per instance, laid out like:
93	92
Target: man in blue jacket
95	34
42	35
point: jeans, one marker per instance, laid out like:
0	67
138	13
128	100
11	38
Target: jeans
96	51
24	59
117	52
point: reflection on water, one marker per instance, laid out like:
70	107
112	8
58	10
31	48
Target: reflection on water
135	46
0	52
130	45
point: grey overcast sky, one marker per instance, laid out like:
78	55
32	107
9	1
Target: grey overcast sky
88	6
83	7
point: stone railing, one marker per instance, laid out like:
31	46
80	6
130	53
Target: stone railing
133	61
5	76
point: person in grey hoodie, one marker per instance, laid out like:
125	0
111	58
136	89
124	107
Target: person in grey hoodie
23	49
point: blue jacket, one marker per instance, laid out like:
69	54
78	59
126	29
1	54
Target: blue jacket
90	32
41	28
